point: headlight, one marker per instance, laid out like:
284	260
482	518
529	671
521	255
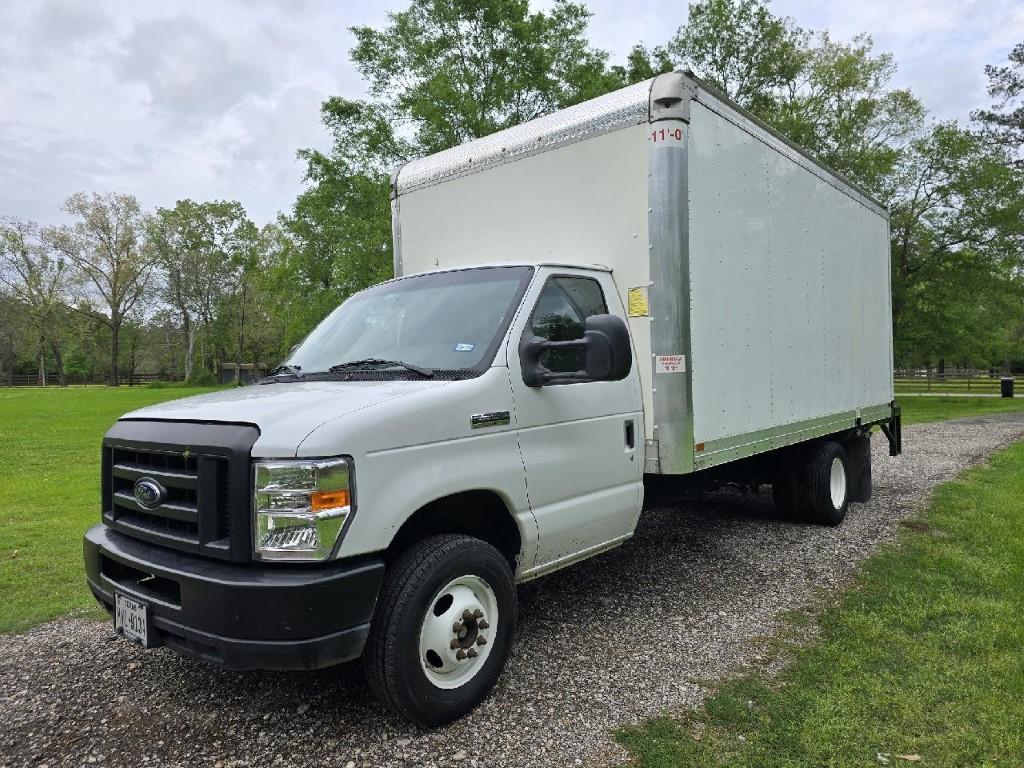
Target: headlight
300	507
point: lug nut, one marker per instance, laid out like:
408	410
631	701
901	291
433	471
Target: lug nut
482	624
471	653
481	640
462	654
454	643
457	627
477	613
467	615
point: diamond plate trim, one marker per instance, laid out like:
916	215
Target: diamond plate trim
627	106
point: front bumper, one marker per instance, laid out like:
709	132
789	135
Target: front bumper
239	616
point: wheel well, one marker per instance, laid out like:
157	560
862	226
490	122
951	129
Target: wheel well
481	514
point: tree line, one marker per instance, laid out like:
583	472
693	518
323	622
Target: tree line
183	290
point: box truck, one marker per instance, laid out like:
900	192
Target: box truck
646	293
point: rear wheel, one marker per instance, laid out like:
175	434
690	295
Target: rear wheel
826	492
442	629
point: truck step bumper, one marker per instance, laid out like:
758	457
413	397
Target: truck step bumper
249	616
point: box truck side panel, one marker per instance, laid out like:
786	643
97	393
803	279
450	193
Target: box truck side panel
582	203
789	293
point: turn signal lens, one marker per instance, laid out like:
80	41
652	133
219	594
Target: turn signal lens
328	499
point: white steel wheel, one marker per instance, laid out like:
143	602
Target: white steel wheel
437	643
824	485
457	631
837	483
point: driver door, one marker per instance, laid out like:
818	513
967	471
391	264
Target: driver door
578	440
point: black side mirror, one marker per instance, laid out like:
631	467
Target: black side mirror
606	354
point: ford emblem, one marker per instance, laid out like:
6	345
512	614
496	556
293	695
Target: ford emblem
148	492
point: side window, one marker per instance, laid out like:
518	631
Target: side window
560	314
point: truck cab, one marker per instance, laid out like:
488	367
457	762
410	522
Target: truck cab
255	528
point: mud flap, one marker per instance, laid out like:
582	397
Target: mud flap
858	459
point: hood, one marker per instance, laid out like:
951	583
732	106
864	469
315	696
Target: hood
288	411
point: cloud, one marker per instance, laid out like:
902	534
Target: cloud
59	23
940	49
188	69
39	168
175	99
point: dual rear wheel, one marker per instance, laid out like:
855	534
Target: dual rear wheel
815	485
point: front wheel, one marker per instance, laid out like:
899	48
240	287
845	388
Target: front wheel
442	629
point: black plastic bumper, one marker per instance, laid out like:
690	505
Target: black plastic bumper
239	616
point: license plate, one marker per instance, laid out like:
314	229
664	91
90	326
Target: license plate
130	618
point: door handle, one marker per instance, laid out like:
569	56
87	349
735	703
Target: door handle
630	434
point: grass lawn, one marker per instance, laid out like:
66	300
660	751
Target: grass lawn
920	409
50	492
921	662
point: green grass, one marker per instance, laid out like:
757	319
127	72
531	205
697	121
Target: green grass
917	410
49	492
923	657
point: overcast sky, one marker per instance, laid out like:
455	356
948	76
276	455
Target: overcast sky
210	100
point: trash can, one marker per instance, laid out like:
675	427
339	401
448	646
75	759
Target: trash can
1006	386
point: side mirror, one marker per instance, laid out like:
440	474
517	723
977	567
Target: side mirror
606	354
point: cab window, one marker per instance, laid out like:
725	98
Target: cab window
561	312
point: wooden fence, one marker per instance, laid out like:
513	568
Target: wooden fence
79	380
953	382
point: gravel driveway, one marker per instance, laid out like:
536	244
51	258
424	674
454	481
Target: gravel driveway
627	635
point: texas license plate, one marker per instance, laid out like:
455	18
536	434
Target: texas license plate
130	618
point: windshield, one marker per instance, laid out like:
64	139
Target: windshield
444	321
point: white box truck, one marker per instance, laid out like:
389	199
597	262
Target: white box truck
646	293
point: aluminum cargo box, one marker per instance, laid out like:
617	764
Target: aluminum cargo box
757	280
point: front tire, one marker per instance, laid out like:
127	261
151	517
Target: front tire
442	629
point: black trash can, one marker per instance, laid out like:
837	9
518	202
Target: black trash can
1006	386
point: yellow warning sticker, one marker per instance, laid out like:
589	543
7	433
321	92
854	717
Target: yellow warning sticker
637	301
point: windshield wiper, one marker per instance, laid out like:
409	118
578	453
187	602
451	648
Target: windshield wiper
295	371
350	365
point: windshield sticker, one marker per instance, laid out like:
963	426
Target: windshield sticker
463	347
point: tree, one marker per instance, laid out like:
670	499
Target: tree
38	278
455	70
440	73
201	249
833	99
1005	118
641	64
106	247
12	318
957	250
742	49
843	110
